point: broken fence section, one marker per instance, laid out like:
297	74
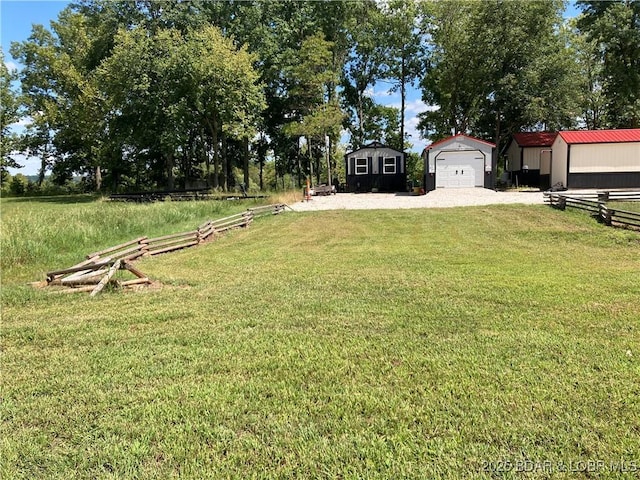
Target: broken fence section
99	268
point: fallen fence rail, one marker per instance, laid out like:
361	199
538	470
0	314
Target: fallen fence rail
99	268
599	208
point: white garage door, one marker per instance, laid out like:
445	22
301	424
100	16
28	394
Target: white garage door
460	169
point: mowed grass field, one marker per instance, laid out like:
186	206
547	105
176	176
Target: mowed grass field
446	343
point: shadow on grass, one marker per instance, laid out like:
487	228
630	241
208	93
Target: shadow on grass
57	199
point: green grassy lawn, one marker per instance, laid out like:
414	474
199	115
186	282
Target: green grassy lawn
347	344
628	206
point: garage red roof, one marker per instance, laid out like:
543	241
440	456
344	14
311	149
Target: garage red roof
602	136
535	139
459	135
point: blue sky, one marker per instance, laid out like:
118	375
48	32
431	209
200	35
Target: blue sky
17	17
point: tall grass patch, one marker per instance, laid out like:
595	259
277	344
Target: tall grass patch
48	233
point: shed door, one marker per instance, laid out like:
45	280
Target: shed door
460	169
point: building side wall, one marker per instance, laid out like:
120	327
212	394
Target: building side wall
531	157
513	157
559	161
375	178
605	157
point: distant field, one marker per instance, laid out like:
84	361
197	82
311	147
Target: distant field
444	343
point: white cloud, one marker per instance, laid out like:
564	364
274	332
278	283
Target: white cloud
22	123
383	93
30	165
10	65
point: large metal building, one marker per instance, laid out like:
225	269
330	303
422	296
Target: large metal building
596	159
459	161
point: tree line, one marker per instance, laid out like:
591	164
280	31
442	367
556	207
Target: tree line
144	94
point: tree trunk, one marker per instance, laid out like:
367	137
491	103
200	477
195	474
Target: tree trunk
216	153
499	135
43	165
403	95
360	123
245	144
225	163
329	161
299	164
98	178
261	160
169	165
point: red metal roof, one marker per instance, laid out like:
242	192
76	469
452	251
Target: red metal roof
535	139
460	135
601	136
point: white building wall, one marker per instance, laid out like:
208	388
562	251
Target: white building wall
461	144
605	157
559	161
531	157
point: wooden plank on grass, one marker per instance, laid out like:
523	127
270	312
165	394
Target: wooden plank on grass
94	266
75	290
112	271
136	281
129	266
81	264
86	280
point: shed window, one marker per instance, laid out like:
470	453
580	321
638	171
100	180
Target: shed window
389	166
361	166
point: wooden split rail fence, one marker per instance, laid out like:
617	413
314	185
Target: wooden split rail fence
99	268
177	195
598	207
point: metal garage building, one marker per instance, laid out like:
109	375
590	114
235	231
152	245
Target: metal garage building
528	156
458	162
596	159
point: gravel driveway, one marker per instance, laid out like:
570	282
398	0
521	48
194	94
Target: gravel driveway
453	197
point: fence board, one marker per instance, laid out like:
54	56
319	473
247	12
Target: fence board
174	247
129	266
112	271
117	247
94	266
169	237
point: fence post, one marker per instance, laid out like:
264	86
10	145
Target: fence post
562	202
248	217
603	196
144	246
203	231
605	214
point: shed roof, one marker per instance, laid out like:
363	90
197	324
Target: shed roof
444	140
374	144
601	136
535	139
